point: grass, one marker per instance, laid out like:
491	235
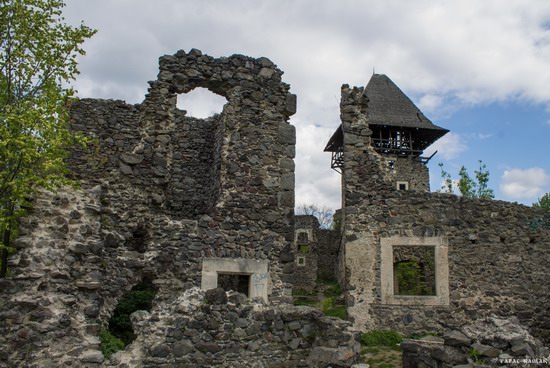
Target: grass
382	356
306	301
381	338
302	292
381	348
326	297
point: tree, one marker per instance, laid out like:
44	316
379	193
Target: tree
323	213
467	186
543	202
38	53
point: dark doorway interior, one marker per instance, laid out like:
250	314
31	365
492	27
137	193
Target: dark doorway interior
236	282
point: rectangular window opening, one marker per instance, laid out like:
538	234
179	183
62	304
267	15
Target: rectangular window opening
414	270
402	185
236	282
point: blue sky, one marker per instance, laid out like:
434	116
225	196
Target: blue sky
478	68
511	138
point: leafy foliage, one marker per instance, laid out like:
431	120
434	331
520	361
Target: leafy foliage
336	221
410	279
543	202
38	55
468	187
475	355
381	337
139	298
332	310
109	344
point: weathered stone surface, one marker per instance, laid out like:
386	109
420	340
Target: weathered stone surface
456	338
182	348
216	296
161	191
480	283
131	158
523	349
492	331
92	356
160	350
486	350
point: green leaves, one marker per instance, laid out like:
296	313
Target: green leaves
543	202
467	186
37	62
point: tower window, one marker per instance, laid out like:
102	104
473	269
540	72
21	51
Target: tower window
303	237
402	185
301	261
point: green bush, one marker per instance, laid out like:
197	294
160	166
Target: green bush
328	303
139	298
109	343
381	337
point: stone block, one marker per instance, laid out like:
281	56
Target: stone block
456	338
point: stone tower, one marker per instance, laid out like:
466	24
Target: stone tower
399	134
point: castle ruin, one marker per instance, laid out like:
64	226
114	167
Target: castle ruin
195	206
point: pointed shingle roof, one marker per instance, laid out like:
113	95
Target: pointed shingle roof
389	106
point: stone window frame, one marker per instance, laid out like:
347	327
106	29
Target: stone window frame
441	248
308	232
257	269
302	259
399	183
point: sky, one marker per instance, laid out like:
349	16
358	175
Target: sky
478	68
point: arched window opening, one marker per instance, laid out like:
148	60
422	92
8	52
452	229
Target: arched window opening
201	103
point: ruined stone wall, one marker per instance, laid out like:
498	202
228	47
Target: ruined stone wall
496	342
497	251
222	329
322	252
305	274
160	193
328	243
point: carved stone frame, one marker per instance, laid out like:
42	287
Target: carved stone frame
258	271
441	271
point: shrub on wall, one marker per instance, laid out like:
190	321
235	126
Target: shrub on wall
109	343
139	298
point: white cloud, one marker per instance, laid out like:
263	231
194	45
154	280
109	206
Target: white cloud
316	182
430	102
448	147
483	136
201	103
524	183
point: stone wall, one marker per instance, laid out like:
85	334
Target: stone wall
226	330
497	251
488	342
160	193
318	263
328	243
